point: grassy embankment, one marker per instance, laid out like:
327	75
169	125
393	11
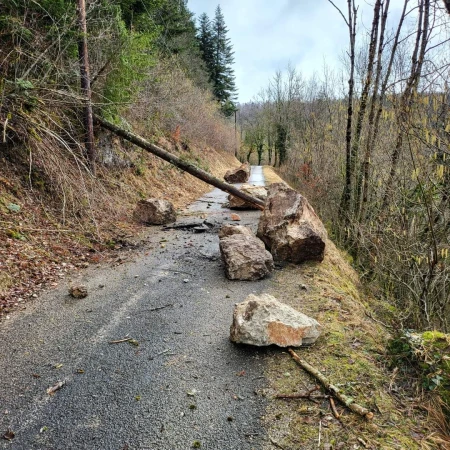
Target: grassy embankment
352	353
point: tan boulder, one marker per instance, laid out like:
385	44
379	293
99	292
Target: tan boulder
263	320
255	191
154	211
245	256
229	230
290	228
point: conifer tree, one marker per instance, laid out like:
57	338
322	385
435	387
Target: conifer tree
206	45
217	53
224	87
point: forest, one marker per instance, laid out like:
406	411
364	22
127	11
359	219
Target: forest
369	146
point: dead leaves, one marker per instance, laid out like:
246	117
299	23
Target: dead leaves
9	435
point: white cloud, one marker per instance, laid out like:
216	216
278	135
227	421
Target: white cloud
267	35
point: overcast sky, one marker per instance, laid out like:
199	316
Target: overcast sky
268	34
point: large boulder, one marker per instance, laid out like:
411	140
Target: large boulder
263	320
154	211
255	191
290	228
239	175
244	255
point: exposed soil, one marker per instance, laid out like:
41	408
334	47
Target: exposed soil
45	240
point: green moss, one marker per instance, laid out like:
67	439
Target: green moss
350	353
428	355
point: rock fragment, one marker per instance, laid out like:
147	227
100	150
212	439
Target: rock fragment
229	230
154	211
79	291
290	228
239	175
263	320
244	255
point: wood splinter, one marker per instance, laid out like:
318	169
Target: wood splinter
347	401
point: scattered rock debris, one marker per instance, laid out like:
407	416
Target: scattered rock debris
79	291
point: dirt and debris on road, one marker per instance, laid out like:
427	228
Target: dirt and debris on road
136	396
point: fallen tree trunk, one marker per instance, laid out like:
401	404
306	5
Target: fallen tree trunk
346	400
172	159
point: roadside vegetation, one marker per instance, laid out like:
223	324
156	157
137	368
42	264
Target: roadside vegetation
369	147
152	69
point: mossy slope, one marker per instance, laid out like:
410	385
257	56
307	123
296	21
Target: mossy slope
351	353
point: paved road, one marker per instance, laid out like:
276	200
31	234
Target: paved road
185	382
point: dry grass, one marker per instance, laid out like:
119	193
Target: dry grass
83	220
271	176
351	353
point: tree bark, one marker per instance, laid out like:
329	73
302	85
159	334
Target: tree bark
363	102
86	84
350	21
183	165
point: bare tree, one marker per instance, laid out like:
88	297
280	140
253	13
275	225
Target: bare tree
350	21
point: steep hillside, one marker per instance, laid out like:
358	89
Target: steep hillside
42	240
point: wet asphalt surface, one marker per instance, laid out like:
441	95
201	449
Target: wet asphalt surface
184	382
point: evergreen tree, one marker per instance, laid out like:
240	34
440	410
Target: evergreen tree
205	40
217	53
223	74
178	33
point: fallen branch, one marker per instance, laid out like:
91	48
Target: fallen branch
347	401
51	390
333	409
160	307
178	162
120	341
304	394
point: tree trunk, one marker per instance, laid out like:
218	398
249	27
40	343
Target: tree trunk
407	95
349	169
86	84
374	118
172	159
363	103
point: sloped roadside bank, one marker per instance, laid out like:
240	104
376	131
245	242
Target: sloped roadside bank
42	241
352	354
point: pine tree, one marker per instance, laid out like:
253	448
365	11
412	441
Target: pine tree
223	73
206	45
217	53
